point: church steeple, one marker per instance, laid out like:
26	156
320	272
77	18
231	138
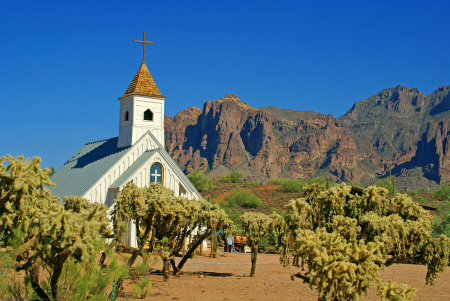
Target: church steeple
143	84
141	107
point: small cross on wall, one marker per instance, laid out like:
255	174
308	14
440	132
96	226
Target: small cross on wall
156	175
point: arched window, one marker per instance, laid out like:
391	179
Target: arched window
126	116
148	115
156	173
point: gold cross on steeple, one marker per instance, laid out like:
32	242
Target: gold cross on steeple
143	44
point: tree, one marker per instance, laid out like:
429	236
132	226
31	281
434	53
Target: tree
387	183
255	226
443	192
200	181
442	226
243	199
344	239
233	177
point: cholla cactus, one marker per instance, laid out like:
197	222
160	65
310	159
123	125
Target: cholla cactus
278	235
172	220
395	292
300	214
21	190
51	233
436	256
374	199
337	268
409	210
65	233
255	226
346	227
332	202
332	252
205	217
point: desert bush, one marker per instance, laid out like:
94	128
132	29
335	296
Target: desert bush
442	224
86	279
142	289
243	199
233	177
201	182
443	192
10	288
275	181
319	181
386	183
291	185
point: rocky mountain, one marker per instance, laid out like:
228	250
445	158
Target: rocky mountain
398	128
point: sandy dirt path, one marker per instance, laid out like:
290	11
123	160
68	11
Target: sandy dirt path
226	278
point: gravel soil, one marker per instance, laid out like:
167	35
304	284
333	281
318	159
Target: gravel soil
226	278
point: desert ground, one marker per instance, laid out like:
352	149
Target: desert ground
226	278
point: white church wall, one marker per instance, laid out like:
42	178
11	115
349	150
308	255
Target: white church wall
125	126
99	191
130	131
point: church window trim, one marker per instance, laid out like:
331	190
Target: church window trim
148	115
156	174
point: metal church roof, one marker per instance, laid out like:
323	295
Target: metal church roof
86	167
94	159
124	178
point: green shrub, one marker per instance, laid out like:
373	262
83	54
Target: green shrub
233	177
442	224
243	199
143	288
200	181
291	185
318	180
87	279
443	192
275	181
386	183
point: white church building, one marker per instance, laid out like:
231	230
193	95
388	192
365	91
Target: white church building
100	169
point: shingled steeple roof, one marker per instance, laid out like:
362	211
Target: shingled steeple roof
143	84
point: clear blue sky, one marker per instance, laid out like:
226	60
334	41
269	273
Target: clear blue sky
64	64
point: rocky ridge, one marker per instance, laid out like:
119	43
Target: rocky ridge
398	128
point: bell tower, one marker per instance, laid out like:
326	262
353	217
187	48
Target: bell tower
141	107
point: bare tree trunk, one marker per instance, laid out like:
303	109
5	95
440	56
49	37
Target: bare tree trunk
54	280
152	241
254	256
189	254
34	279
166	269
174	266
133	258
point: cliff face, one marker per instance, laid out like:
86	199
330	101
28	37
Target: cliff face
230	133
398	127
226	132
433	151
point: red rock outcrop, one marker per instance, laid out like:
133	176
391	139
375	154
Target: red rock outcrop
226	132
398	128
